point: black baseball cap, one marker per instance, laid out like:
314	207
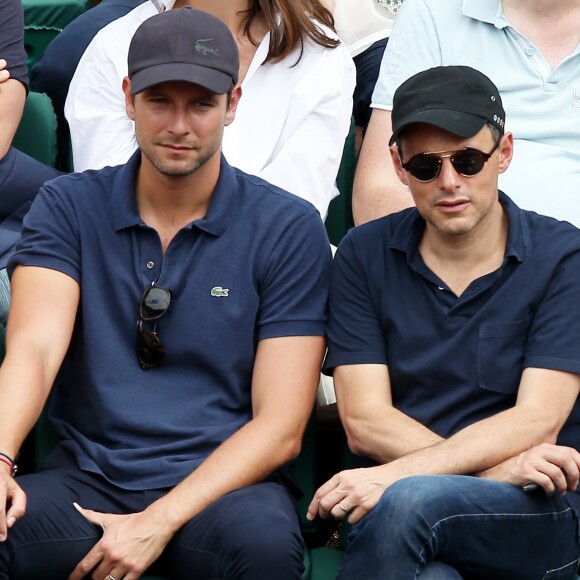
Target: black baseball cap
458	99
183	45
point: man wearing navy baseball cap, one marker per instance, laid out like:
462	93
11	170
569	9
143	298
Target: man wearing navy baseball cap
175	295
453	341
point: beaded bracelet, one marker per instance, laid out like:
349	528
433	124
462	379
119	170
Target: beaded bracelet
9	461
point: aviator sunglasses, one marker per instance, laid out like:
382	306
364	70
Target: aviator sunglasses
425	167
154	304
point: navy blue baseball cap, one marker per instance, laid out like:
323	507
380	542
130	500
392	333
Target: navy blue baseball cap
183	45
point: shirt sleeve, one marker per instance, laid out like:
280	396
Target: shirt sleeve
12	40
355	333
306	162
554	338
413	46
294	286
101	132
50	236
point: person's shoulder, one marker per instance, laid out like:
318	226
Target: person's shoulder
116	35
76	188
434	9
435	6
546	234
270	198
311	51
546	230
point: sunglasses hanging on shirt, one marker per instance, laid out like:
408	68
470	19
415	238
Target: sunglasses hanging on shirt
154	304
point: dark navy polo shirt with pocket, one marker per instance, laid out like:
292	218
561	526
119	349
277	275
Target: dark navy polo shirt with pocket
456	360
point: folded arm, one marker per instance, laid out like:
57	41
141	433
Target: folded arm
545	400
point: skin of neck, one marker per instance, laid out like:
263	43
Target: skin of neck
231	12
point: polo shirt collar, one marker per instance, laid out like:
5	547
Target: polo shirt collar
519	243
222	204
489	11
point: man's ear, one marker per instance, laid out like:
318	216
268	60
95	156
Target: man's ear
129	107
506	152
398	165
234	100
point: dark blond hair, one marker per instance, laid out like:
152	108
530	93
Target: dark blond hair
290	22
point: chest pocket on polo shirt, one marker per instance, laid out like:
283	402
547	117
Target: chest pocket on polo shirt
500	355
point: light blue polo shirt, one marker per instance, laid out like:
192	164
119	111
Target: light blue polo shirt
255	267
542	106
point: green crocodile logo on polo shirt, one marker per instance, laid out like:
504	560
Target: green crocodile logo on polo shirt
219	291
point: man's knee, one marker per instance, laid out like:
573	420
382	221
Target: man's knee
415	504
267	536
268	551
422	494
251	533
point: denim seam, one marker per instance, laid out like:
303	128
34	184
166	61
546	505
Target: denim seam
561	567
480	516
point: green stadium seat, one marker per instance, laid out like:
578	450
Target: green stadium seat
36	134
44	19
339	219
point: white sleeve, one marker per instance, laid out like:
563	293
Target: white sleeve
414	45
306	162
101	132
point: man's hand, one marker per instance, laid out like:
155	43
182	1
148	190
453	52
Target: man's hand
12	503
552	467
351	494
130	544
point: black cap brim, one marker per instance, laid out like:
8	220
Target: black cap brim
456	122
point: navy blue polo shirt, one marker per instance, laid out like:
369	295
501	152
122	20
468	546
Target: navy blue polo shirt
456	360
255	267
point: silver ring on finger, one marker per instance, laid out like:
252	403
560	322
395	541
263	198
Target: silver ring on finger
111	577
342	508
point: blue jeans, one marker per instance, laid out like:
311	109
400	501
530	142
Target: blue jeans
251	533
452	527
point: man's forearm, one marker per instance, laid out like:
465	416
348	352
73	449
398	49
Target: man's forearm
387	434
247	457
476	448
23	392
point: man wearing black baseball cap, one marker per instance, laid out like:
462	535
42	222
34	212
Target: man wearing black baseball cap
453	341
176	294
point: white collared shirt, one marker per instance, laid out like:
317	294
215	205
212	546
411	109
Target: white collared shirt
290	124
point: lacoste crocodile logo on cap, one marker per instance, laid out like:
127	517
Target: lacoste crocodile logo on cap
219	291
201	46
